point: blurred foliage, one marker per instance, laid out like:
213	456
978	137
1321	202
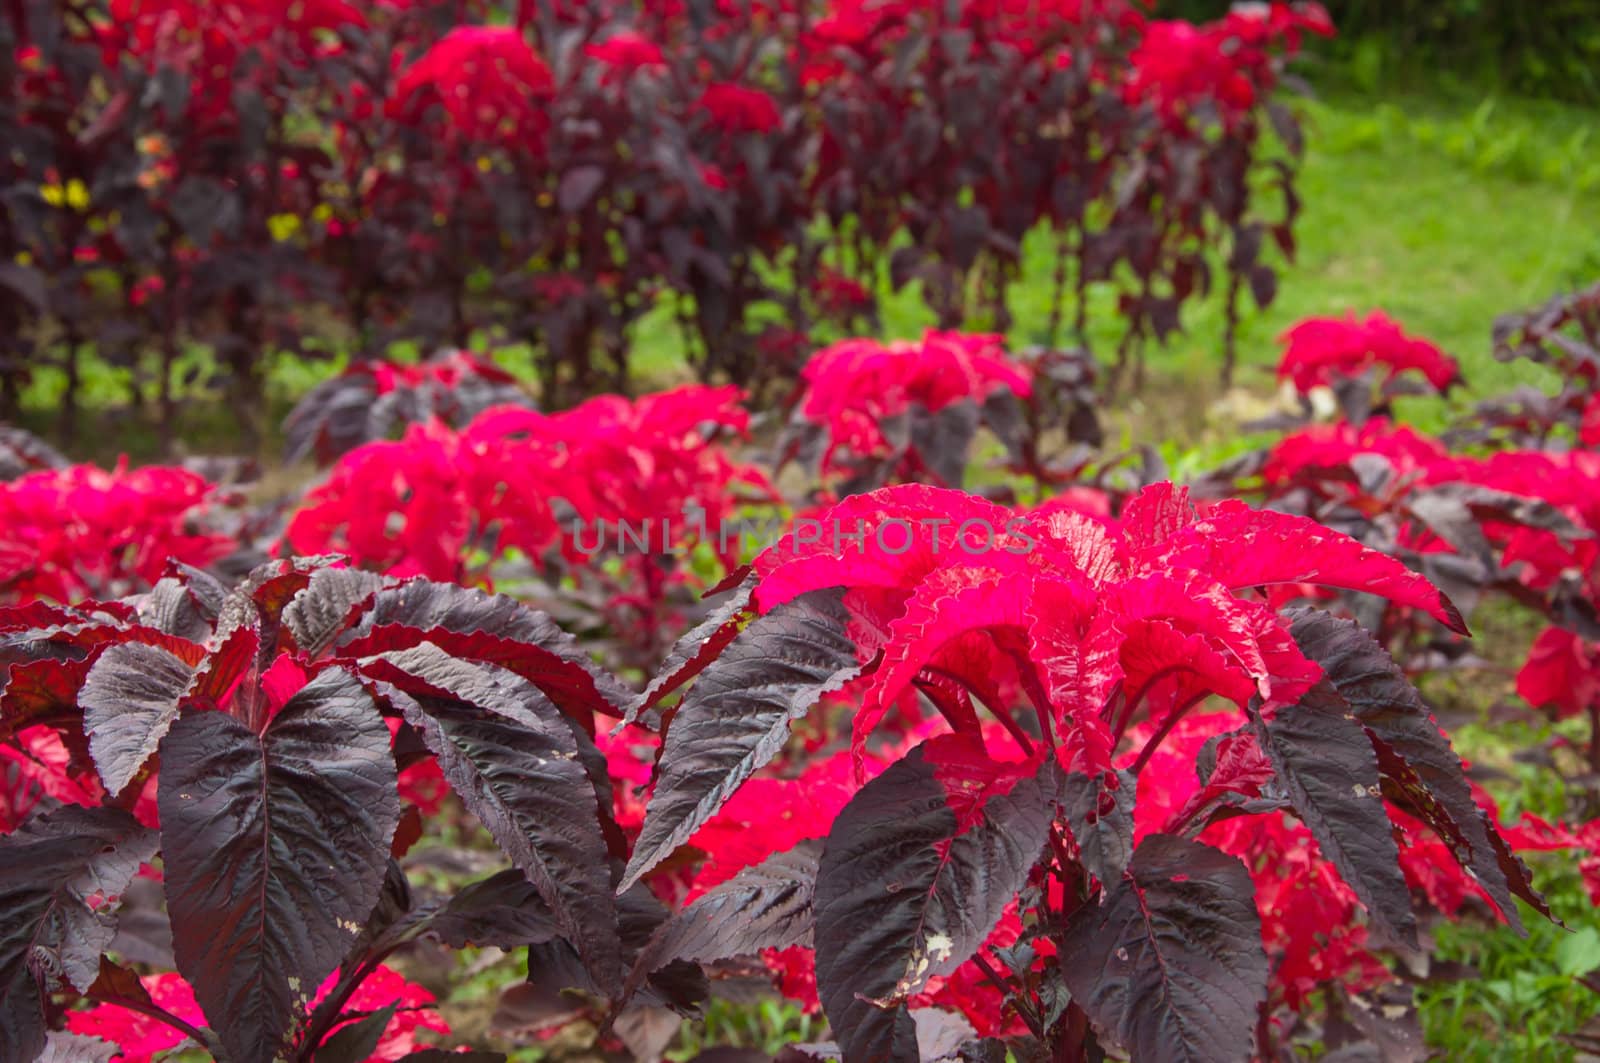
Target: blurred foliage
1547	48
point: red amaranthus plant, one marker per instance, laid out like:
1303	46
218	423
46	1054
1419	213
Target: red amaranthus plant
1365	362
83	532
1519	523
370	400
1563	334
271	721
1090	642
642	483
904	411
516	479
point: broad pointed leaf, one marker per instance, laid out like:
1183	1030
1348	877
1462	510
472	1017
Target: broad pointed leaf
321	611
767	906
275	846
485	627
129	699
691	654
503	910
61	876
738	715
1243	547
1326	763
904	894
1412	750
514	761
183	607
1099	809
555	966
1169	965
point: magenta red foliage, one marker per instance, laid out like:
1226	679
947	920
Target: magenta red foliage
1226	63
1317	351
489	82
141	1038
1153	603
427	504
85	532
853	387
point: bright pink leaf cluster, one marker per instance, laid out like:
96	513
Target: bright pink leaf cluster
853	386
82	532
1226	63
488	81
424	504
1320	350
1158	605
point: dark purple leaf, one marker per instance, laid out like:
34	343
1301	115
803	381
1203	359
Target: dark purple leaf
646	1030
1287	127
1169	964
904	894
321	611
331	419
51	869
63	1047
503	910
767	906
514	761
737	716
492	628
1101	819
129	700
144	933
27	284
577	187
183	607
942	440
1412	751
275	848
1326	763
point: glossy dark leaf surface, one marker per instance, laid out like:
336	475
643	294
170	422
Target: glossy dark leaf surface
1327	765
486	627
318	614
130	698
1101	817
503	910
738	714
768	906
514	761
1169	964
1411	749
275	847
61	876
905	894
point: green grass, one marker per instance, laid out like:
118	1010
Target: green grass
1526	995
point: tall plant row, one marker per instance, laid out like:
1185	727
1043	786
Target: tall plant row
198	188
